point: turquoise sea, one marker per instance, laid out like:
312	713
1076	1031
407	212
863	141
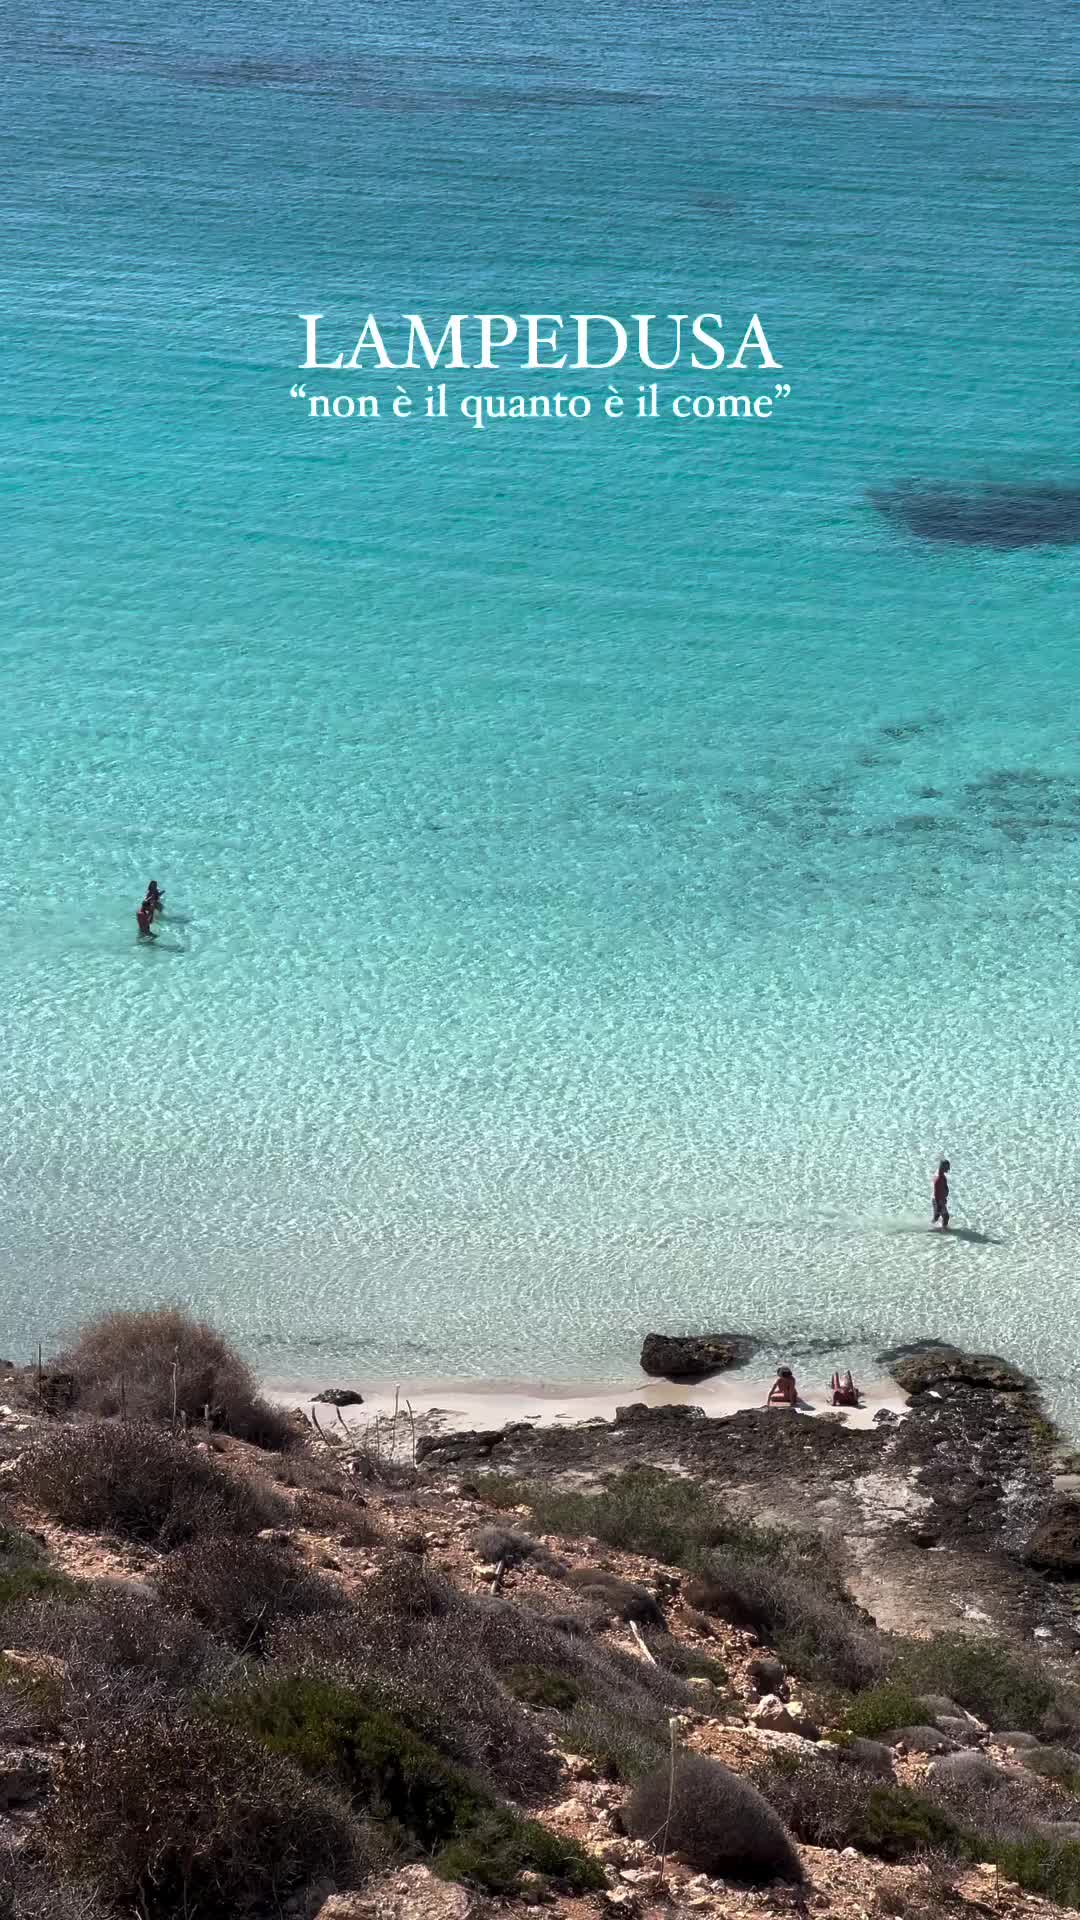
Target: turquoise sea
614	860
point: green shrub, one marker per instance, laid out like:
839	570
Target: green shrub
399	1780
134	1480
501	1846
135	1363
1002	1687
1042	1865
28	1583
163	1816
334	1732
643	1510
715	1820
880	1708
499	1490
540	1686
241	1590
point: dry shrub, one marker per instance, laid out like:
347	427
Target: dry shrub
164	1816
131	1479
612	1595
241	1590
718	1822
152	1364
813	1626
117	1649
495	1544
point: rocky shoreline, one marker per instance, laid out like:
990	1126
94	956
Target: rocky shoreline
789	1602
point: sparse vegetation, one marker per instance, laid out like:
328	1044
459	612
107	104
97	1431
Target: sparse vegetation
828	1805
541	1686
163	1365
134	1480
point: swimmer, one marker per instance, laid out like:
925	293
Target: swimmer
941	1196
155	899
142	921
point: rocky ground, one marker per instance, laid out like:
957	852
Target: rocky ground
962	1515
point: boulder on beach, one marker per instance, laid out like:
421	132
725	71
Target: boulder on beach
1054	1546
670	1356
921	1369
338	1397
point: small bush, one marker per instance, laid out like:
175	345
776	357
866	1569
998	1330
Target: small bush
501	1846
620	1744
136	1481
829	1805
1041	1864
719	1822
891	1703
624	1598
540	1687
495	1544
132	1363
161	1815
498	1490
241	1590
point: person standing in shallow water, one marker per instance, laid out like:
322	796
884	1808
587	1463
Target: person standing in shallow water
941	1196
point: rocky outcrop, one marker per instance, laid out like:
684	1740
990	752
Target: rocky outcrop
338	1397
670	1356
930	1366
413	1893
779	1716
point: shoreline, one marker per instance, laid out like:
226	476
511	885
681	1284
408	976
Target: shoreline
455	1406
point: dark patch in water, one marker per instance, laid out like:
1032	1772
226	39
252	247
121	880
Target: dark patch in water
929	793
992	516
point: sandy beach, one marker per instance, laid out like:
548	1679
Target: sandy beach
456	1405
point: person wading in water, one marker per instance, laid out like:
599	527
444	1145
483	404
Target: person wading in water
941	1196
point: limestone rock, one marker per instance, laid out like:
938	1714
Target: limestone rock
779	1716
413	1893
920	1740
693	1356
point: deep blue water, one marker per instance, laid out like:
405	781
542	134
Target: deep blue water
616	858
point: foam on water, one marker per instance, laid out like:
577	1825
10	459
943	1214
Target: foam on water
610	865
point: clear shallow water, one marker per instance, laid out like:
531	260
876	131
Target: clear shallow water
615	861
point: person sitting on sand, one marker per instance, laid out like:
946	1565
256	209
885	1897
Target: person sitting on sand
941	1196
142	920
783	1392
